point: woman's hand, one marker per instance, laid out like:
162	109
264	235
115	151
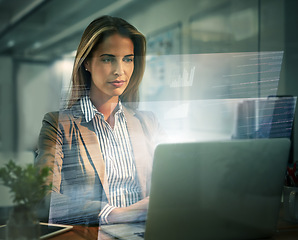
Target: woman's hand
133	213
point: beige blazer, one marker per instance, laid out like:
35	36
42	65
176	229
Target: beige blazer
69	146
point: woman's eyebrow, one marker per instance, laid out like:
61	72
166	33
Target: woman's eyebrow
111	55
107	55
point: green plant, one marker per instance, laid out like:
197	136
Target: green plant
27	184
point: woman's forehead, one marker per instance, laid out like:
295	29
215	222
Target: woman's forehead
116	45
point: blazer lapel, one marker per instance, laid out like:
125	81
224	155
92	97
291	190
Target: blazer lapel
140	149
90	142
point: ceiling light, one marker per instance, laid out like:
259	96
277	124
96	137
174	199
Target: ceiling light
10	43
37	45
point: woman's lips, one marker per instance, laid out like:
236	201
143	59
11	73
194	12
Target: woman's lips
117	83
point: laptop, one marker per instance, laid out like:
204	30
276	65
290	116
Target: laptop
213	190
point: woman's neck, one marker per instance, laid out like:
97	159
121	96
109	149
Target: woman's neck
107	107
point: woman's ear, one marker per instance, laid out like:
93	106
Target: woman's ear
86	65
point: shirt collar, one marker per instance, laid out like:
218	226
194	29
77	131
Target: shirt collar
89	110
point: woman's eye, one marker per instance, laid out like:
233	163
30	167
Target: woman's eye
106	60
128	59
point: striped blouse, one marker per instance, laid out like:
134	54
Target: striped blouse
117	153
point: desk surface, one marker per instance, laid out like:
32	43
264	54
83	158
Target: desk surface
286	231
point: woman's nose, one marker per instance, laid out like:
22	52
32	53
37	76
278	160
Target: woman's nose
119	69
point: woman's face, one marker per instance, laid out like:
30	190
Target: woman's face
111	66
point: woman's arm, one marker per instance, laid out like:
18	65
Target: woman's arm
71	205
134	213
49	151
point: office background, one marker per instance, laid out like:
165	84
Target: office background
38	39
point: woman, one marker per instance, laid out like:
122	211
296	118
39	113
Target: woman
100	148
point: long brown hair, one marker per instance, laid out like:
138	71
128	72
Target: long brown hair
93	35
